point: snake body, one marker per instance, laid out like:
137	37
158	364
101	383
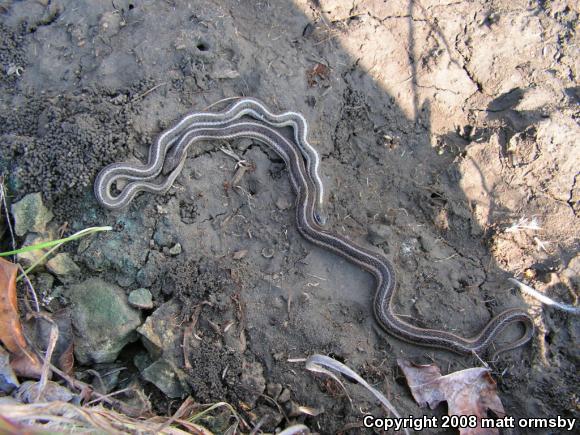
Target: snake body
306	188
165	157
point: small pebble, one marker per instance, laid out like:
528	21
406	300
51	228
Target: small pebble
238	255
44	282
62	265
284	396
282	203
175	250
141	298
274	390
30	215
293	409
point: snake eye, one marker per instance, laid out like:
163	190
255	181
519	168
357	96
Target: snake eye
320	218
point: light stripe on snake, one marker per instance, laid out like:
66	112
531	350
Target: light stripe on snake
378	265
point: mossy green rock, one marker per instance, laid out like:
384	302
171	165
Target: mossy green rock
63	266
141	298
30	215
168	378
103	321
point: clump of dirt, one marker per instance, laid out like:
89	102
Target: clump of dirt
58	147
195	283
12	56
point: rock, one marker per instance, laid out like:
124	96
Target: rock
142	360
141	298
379	234
124	280
168	378
30	257
252	382
110	23
51	392
235	340
30	215
161	331
238	255
284	396
282	203
293	409
274	390
8	380
164	234
223	69
148	274
108	377
103	321
124	251
44	283
63	266
244	143
175	250
269	418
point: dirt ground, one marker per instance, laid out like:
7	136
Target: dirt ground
442	125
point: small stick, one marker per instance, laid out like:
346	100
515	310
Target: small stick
545	299
3	196
144	94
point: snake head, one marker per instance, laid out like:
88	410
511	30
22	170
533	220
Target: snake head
320	216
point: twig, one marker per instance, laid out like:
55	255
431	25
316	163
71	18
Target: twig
221	101
185	406
144	94
188	334
297	429
3	196
81	386
524	224
48	355
545	299
30	287
106	396
315	363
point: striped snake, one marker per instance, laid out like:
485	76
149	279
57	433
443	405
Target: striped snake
164	158
302	163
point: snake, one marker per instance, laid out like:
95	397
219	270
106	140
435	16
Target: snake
305	189
165	159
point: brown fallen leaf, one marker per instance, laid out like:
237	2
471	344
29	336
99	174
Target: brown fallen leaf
23	359
318	71
66	360
45	323
470	392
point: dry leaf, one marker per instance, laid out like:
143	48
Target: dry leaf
62	355
66	360
23	359
470	392
318	71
